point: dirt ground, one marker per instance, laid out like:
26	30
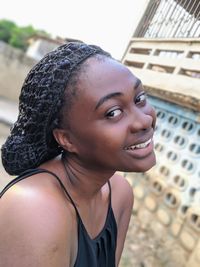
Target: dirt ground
142	249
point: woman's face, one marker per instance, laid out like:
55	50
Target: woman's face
111	122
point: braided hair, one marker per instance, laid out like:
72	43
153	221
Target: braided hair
49	86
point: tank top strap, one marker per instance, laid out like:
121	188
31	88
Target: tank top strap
72	201
30	172
110	192
69	196
65	190
22	176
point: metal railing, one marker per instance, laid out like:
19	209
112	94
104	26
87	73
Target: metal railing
170	19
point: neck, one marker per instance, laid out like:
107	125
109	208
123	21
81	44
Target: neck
85	182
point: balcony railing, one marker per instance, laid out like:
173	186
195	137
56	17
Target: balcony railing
168	68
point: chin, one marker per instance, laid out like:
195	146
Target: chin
144	169
142	165
147	165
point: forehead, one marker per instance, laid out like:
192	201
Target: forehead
98	79
104	76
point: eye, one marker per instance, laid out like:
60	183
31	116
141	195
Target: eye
114	113
141	99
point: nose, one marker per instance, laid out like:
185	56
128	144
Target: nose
142	119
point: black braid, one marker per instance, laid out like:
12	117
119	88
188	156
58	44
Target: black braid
48	88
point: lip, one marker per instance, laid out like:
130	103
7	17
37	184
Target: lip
141	152
142	139
141	144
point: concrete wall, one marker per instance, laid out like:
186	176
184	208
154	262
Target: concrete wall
165	225
138	17
168	68
14	66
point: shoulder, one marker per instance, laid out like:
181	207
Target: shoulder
37	197
122	203
122	188
122	194
36	214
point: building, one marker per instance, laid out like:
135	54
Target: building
40	45
164	52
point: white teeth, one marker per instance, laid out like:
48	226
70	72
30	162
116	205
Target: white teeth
142	145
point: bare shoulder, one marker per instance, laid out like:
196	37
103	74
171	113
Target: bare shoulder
122	190
37	193
35	223
122	203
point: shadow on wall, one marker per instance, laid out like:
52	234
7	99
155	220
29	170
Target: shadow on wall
4	177
14	66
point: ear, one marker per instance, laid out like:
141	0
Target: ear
63	139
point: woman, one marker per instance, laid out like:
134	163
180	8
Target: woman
83	116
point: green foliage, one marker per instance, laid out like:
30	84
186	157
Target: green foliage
17	36
6	28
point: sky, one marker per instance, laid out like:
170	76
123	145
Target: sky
107	23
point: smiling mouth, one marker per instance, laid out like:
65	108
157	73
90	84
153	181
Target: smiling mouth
139	146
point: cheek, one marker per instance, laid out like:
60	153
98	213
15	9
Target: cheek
102	139
149	110
107	139
153	114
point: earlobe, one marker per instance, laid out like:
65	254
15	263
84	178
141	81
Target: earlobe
63	139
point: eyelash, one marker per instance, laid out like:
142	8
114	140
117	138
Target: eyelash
108	115
141	100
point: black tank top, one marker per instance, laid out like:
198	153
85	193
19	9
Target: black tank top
97	252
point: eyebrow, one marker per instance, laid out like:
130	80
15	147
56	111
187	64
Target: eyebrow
106	98
138	83
115	94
